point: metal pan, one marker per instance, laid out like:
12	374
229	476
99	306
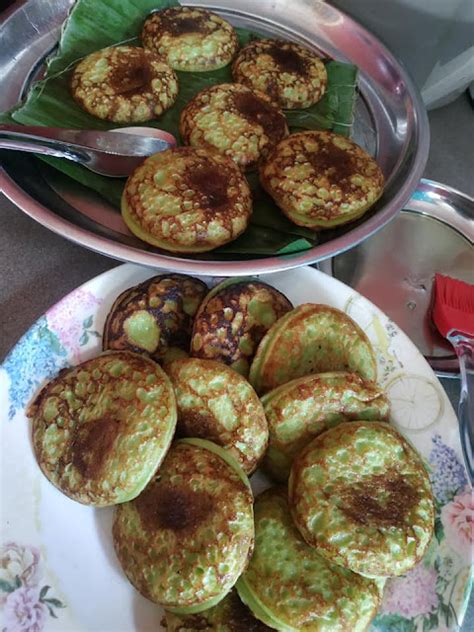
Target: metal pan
390	122
395	268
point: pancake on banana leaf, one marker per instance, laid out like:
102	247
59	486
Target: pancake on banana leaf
312	338
101	429
290	74
155	317
216	403
124	84
190	39
230	615
320	179
360	494
187	199
232	320
300	410
234	120
186	539
288	586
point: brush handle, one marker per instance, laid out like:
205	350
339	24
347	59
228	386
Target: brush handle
464	347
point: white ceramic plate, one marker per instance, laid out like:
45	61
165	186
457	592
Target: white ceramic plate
58	569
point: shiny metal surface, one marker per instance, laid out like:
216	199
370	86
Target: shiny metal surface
395	268
107	153
390	122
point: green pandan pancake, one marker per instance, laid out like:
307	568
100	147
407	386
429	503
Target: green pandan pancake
101	429
360	494
300	410
310	339
216	403
186	539
190	39
290	587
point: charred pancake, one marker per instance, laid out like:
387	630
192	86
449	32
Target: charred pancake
190	39
320	179
290	74
230	615
124	84
360	494
300	410
311	339
155	317
232	320
101	429
234	120
187	200
290	587
216	403
186	539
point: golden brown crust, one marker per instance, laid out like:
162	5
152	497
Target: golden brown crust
187	200
290	74
101	429
235	121
124	84
320	179
216	403
186	538
374	516
191	39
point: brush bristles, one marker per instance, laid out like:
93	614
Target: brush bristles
454	293
453	307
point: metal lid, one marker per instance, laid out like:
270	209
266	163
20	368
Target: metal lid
395	268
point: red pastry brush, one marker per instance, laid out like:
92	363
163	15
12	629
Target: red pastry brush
453	315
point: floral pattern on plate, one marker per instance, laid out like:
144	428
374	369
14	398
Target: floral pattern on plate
52	343
432	596
26	603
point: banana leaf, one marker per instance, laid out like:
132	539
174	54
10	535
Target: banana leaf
94	24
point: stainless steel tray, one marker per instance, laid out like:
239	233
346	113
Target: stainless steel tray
395	268
390	122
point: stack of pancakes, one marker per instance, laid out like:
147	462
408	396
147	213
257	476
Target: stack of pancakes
194	391
195	199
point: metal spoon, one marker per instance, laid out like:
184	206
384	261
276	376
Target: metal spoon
108	153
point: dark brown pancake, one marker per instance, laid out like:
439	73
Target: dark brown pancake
155	317
232	320
230	615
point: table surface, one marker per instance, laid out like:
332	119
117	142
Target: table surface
38	267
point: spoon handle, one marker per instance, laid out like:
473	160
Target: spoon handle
43	146
125	144
38	132
464	347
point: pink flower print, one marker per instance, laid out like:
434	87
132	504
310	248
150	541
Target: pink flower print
66	319
413	594
24	612
457	518
19	564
